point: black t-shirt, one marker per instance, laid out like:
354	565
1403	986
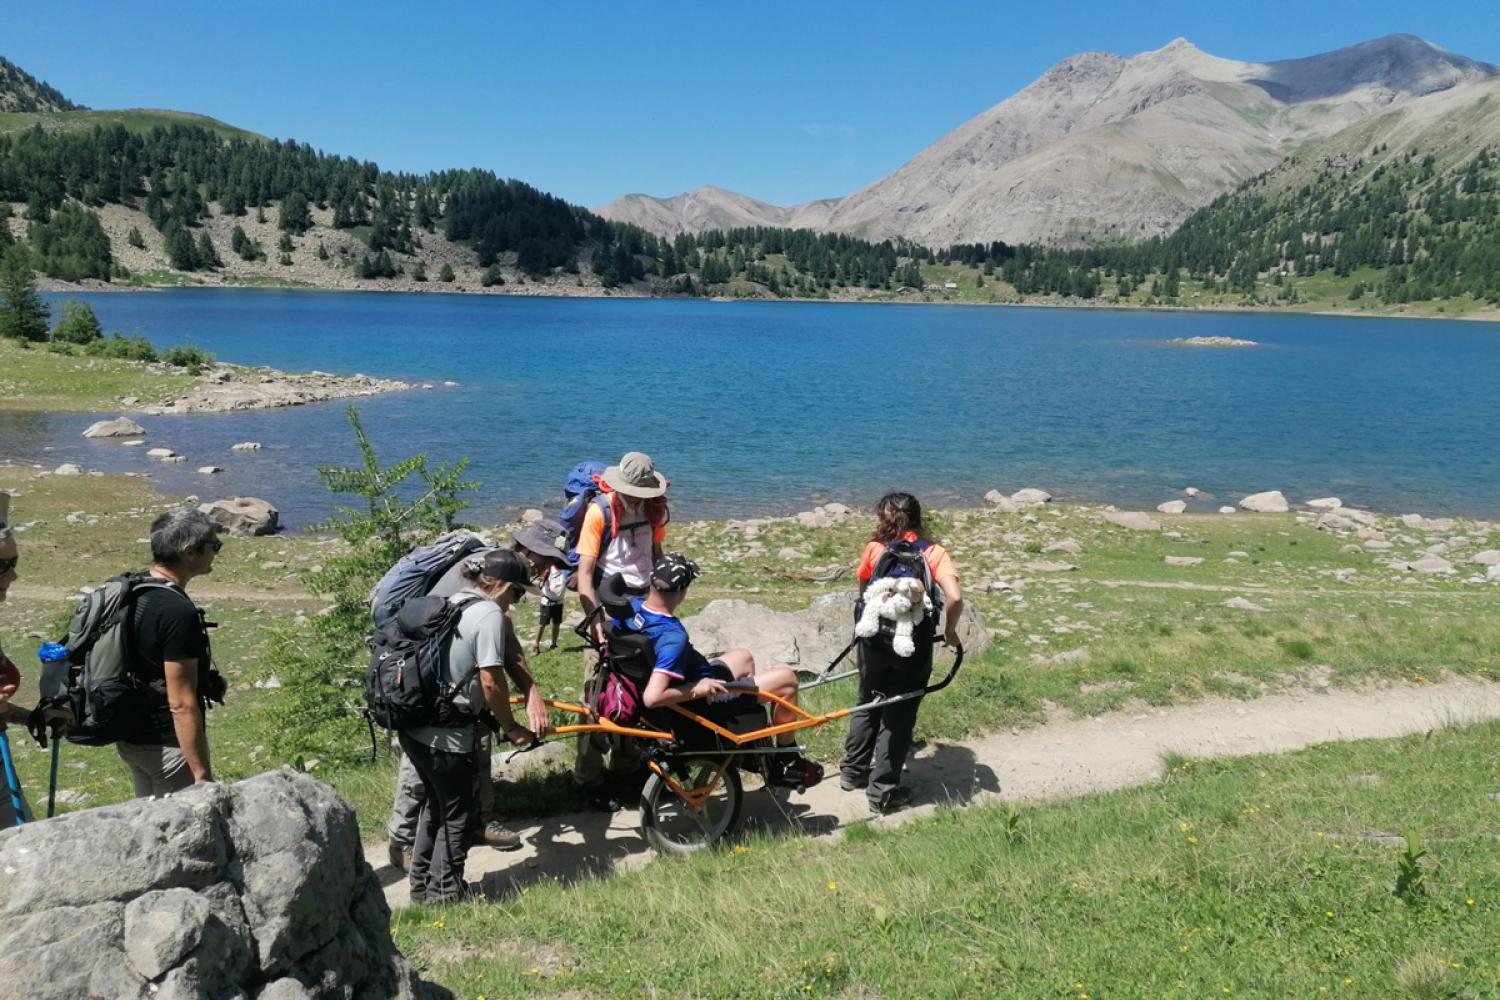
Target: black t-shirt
167	626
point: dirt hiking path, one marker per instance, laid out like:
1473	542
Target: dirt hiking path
1056	760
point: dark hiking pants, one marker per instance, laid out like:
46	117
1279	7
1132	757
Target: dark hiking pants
879	740
441	845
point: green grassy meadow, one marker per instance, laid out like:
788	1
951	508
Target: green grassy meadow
1121	630
1259	877
38	381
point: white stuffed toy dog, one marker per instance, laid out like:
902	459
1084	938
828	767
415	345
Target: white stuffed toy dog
900	600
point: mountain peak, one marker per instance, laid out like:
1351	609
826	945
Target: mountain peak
1392	66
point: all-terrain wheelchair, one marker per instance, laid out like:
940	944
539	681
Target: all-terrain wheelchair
696	750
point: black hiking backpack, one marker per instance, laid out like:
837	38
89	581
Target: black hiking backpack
903	558
94	679
405	684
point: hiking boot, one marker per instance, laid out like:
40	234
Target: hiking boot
399	857
501	838
792	770
895	801
853	783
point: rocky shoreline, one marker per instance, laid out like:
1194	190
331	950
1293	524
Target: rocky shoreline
230	388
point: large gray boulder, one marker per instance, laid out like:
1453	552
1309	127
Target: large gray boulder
808	639
119	427
1269	502
255	890
243	517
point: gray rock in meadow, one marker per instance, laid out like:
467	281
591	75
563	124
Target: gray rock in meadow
1419	523
1060	659
1489	557
1067	545
67	469
1132	519
814	519
1183	560
243	517
1492	573
1031	496
1430	564
837	510
1001	502
1325	503
1336	523
1242	604
1378	544
1172	507
119	427
245	446
808	639
208	893
1351	549
1269	502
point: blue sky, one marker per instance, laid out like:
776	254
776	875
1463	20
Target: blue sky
782	101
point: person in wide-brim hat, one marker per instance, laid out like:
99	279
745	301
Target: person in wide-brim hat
635	476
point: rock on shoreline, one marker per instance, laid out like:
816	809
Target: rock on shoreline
227	388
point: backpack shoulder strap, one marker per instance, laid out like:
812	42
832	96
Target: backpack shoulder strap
605	503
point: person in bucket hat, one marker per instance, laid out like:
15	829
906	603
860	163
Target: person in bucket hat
623	532
635	476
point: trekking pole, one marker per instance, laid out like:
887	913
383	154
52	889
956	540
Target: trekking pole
12	779
52	785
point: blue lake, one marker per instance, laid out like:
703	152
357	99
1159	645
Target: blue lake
766	407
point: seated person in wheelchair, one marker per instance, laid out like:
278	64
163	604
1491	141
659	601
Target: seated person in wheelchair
680	673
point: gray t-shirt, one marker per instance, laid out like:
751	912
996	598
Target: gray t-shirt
478	641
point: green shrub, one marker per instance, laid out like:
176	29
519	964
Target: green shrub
319	710
78	325
188	356
125	348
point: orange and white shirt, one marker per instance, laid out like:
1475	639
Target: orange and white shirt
629	550
939	562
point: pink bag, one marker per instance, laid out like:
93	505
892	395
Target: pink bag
619	699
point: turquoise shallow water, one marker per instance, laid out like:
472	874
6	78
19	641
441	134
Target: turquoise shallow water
760	407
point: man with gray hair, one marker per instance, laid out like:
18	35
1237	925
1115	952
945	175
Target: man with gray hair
170	659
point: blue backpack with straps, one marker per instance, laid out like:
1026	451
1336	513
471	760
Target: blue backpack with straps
581	489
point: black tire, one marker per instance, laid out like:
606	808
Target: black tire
671	826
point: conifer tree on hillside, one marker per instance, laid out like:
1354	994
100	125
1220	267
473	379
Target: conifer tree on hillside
23	315
295	216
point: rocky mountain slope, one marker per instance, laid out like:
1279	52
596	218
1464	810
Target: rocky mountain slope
20	91
706	208
1104	148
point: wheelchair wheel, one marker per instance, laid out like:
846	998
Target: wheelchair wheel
673	825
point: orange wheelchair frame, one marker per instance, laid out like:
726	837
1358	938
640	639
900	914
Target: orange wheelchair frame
694	795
